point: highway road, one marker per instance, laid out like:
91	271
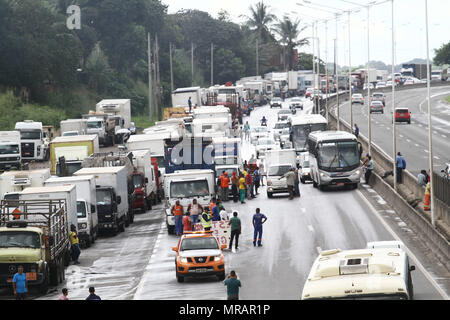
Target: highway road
412	140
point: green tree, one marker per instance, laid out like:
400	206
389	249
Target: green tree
442	54
260	19
305	62
228	67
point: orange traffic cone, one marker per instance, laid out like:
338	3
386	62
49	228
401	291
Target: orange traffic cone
427	201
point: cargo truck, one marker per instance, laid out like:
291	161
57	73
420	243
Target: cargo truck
119	110
13	182
418	71
103	125
144	181
10	150
86	205
112	196
37	239
73	127
74	150
33	140
181	96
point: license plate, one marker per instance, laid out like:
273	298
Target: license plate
201	270
340	184
31	276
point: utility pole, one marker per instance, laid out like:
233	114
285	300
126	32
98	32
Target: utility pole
350	72
158	80
318	69
192	63
257	57
394	136
212	64
337	76
314	64
171	71
150	88
155	83
326	64
369	126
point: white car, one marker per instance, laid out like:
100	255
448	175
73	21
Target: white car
408	82
257	133
304	170
358	98
381	85
285	136
389	84
283	114
371	86
263	145
279	126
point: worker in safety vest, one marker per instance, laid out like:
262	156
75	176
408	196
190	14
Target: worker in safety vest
427	201
177	211
206	220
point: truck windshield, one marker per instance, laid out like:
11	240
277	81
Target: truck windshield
94	124
278	171
300	134
30	135
20	239
199	244
338	156
72	167
81	209
137	181
187	189
9	149
160	161
103	198
229	171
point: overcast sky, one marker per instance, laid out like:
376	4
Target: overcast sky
409	21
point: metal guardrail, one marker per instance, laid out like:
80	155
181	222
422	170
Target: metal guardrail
441	187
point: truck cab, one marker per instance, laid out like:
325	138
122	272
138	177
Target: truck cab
103	126
34	143
107	210
10	150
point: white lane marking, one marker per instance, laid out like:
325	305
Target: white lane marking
417	145
303	210
311	228
444	136
402	136
409	252
426	151
437	158
408	140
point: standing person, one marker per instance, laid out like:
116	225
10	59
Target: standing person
216	212
206	220
190	105
233	285
258	220
92	295
249	184
235	224
290	181
242	188
212	204
247	131
369	169
195	209
234	186
20	284
422	179
64	295
187	222
401	165
177	211
75	244
224	186
224	216
296	183
356	130
262	173
256	179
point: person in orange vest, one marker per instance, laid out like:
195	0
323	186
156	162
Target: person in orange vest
427	201
224	186
177	211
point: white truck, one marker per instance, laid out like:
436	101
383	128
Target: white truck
13	182
181	96
103	125
112	196
66	193
10	150
293	80
34	143
185	186
73	127
144	180
278	162
216	112
86	205
119	110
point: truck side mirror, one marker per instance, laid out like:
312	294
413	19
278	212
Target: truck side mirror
93	208
412	268
146	180
119	200
159	173
175	249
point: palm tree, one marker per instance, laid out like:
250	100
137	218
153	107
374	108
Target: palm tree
289	32
260	19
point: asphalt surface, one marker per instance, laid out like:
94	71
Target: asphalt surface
412	140
139	263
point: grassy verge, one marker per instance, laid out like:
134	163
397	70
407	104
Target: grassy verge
142	122
447	99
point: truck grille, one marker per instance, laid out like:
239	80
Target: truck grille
11	268
28	150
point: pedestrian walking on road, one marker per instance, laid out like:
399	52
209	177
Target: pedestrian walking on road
233	285
64	294
206	220
262	173
356	130
235	224
369	166
247	131
256	180
187	222
258	220
92	295
242	188
195	209
224	216
216	212
177	211
75	244
190	105
296	183
249	183
401	165
224	186
235	187
422	179
290	181
20	284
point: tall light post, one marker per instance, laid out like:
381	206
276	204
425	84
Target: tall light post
394	135
430	128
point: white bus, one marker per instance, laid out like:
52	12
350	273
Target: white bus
334	159
379	272
302	126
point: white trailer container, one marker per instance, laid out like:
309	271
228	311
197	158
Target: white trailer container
112	196
67	193
293	80
86	205
181	96
117	107
10	150
70	126
278	162
13	182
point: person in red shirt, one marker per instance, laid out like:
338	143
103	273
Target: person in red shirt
177	211
249	183
224	185
187	223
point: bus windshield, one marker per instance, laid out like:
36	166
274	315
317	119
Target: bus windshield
338	156
300	134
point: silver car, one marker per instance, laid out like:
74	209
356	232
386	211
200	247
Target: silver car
376	106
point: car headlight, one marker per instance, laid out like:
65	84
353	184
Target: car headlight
358	172
269	182
217	258
183	260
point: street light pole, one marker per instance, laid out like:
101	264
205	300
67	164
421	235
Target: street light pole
337	77
318	70
314	64
430	128
368	83
350	72
326	65
394	136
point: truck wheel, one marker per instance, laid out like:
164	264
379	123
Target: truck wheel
127	221
269	195
54	274
88	242
43	287
314	184
122	226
